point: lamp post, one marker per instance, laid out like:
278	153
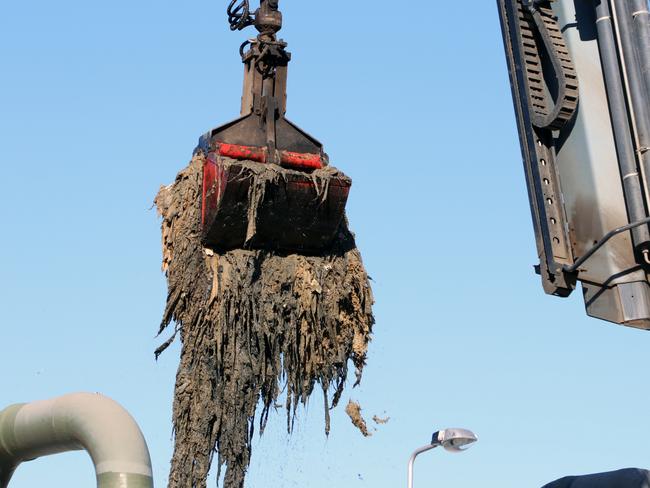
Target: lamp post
452	440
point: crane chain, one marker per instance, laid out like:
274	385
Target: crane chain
539	25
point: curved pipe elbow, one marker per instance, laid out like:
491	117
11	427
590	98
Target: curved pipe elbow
81	421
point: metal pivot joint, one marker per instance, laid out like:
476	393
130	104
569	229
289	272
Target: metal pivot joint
264	99
262	127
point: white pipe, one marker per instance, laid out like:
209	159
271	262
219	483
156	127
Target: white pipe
74	422
415	454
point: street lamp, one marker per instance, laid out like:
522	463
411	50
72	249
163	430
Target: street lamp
452	440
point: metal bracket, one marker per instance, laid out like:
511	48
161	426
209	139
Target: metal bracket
576	266
544	190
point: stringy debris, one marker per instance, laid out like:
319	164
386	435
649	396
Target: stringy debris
354	412
379	420
254	325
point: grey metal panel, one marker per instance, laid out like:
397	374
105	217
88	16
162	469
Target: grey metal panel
591	182
626	303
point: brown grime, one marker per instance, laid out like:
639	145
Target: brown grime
254	326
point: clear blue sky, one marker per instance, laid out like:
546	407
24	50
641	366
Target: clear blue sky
101	102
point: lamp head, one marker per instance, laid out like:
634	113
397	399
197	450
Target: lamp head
454	440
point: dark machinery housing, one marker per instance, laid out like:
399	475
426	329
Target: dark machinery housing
580	75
